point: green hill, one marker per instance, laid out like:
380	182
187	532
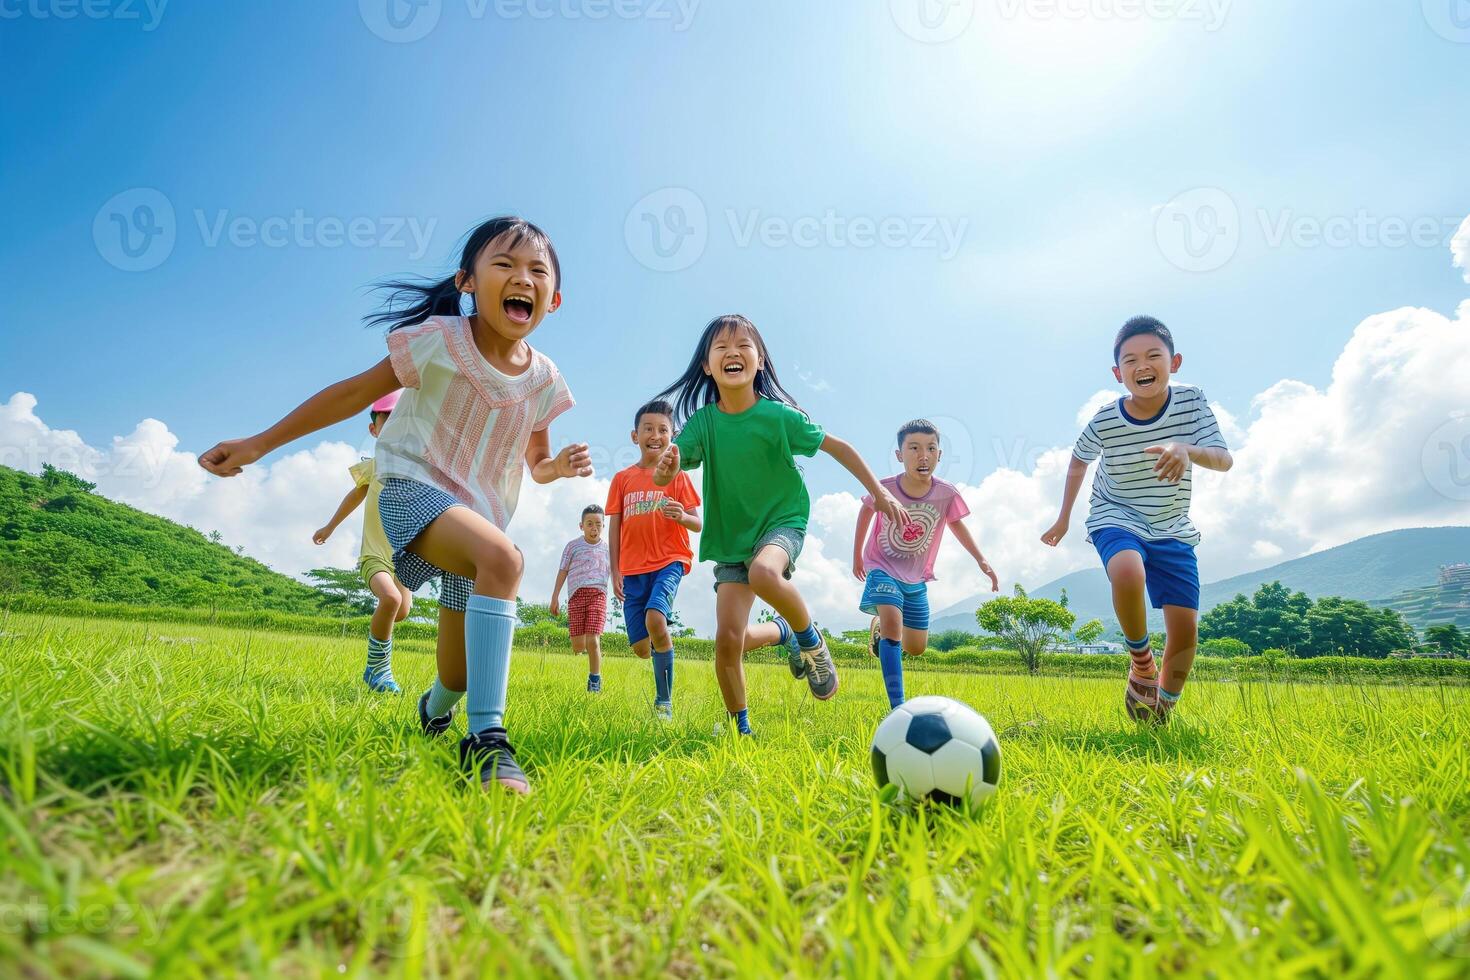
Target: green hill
59	539
1395	568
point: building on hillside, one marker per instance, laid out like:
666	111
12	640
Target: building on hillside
1102	646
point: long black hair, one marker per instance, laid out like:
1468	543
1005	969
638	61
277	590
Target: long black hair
411	302
695	389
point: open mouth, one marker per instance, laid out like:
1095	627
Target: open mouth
1145	380
734	369
922	467
518	309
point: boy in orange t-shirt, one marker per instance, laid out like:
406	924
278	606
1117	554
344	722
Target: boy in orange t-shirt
648	541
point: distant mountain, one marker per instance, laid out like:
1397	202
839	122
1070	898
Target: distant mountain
1381	568
59	539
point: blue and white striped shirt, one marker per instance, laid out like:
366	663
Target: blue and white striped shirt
1126	492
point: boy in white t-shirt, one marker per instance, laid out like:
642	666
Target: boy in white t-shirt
584	571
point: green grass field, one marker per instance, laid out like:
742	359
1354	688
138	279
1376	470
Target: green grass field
187	800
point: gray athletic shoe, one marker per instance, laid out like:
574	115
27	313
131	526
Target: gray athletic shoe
793	649
821	673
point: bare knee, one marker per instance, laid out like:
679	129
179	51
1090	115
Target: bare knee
1126	575
498	563
658	630
763	577
729	642
642	649
391	603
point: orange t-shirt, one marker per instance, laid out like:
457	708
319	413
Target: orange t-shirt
647	540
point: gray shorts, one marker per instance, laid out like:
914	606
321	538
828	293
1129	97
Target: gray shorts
788	539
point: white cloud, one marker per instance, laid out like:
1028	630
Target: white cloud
1373	450
1460	248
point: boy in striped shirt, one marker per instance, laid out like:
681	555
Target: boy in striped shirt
1139	511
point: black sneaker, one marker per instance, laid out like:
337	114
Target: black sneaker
433	727
489	756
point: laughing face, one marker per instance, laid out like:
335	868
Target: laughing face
514	286
733	359
920	455
653	435
1145	366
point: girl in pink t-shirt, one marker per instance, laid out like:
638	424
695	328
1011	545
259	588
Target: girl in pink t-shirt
476	410
897	562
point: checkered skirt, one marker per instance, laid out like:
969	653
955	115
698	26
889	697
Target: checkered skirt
406	508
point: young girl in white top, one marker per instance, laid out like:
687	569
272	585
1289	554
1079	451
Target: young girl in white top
477	401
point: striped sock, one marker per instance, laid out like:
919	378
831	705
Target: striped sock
809	638
489	628
380	653
663	677
1144	667
441	700
1170	698
890	658
742	721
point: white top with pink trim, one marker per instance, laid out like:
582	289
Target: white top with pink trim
461	425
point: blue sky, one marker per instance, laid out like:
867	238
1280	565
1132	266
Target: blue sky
1045	141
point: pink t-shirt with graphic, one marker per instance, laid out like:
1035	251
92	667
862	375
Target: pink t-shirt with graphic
908	553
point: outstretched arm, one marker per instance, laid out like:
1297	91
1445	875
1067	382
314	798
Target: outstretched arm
561	579
962	535
864	521
349	503
1076	470
574	460
883	501
327	407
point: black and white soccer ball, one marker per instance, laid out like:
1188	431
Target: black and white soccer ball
939	749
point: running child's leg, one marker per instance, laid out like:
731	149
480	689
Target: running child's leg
1181	640
733	602
405	604
662	645
378	675
768	580
436	705
1128	579
890	651
463	543
915	642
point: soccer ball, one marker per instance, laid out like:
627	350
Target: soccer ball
939	749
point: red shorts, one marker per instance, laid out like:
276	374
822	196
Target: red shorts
587	612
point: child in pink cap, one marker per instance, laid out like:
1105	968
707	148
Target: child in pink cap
375	560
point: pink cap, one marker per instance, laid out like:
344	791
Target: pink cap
387	403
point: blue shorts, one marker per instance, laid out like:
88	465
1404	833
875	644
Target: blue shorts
651	590
1169	567
882	589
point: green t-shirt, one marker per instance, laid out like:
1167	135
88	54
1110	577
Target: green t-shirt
751	483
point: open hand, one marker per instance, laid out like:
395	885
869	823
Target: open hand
574	460
229	458
990	572
1056	532
1172	462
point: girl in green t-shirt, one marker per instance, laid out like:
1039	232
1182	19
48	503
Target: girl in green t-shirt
746	430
